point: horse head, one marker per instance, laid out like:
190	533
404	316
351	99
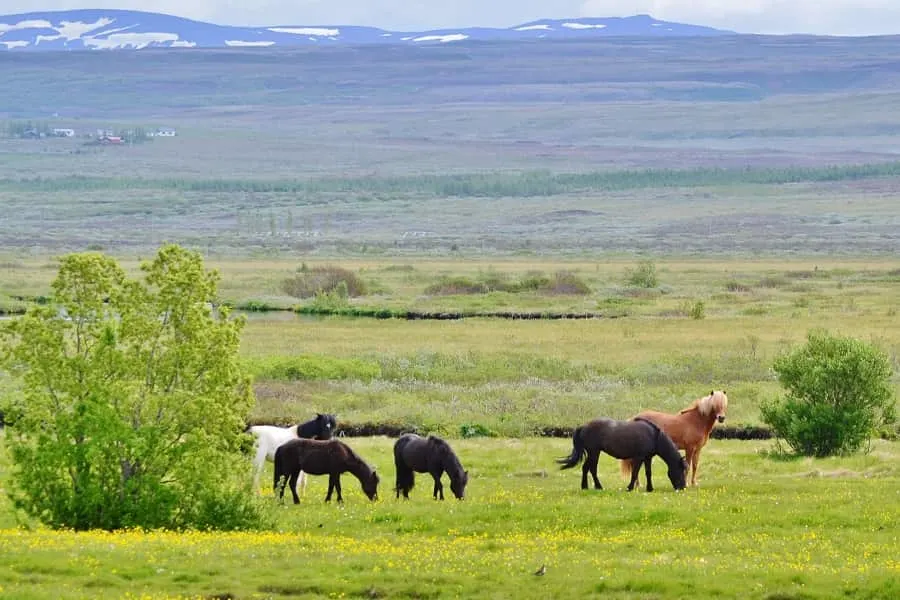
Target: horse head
325	425
458	485
719	404
678	474
370	485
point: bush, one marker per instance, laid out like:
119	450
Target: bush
838	395
568	283
562	283
309	282
131	389
644	276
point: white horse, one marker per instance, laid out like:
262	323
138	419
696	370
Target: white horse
270	437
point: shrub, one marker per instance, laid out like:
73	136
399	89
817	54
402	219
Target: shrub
451	286
562	282
308	282
644	276
472	430
567	282
737	286
131	390
838	395
697	310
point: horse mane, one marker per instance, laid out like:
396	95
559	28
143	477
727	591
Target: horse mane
354	457
449	456
667	449
716	401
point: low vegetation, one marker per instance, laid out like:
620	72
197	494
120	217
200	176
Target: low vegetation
308	282
130	391
729	538
839	396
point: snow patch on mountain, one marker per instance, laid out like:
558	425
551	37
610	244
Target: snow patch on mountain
584	25
306	30
450	37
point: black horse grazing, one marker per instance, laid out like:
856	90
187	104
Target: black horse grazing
433	455
321	457
639	440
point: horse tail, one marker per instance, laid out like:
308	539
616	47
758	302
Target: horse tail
577	451
406	477
625	466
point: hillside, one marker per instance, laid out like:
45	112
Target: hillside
123	29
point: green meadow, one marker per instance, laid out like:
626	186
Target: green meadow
756	527
759	525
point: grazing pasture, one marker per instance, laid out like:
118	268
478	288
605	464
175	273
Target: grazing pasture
756	528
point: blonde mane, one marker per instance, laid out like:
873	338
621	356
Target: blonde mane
717	401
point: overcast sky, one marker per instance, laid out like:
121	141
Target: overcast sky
838	17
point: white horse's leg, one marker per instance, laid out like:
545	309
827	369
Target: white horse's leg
258	461
302	482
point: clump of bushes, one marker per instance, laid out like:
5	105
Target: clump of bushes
737	286
643	276
561	283
454	286
839	395
308	282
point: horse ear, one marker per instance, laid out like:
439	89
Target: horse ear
712	392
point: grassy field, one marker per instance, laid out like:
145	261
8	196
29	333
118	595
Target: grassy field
705	324
756	528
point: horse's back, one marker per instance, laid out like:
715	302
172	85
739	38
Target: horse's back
620	439
412	450
675	426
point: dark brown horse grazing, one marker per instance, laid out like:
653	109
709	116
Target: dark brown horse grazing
321	457
413	453
639	440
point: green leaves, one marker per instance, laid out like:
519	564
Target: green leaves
135	401
838	394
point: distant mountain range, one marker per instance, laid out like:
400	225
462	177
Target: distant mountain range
99	29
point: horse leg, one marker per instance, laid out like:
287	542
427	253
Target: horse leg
301	479
331	486
258	461
337	485
591	462
438	486
647	473
695	464
293	483
278	487
635	471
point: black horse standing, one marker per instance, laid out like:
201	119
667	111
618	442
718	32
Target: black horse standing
638	440
413	453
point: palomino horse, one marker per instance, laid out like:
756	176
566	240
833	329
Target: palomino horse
638	440
413	453
321	457
690	428
270	437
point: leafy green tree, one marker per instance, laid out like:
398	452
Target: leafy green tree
134	404
838	394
